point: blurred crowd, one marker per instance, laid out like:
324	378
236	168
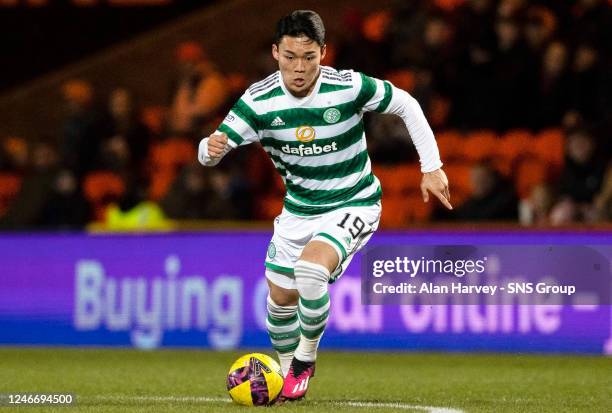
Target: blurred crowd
502	68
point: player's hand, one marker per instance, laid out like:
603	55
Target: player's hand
436	182
216	145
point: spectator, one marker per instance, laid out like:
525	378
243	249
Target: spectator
83	129
588	88
565	212
539	29
115	156
603	200
135	212
591	23
582	175
473	23
368	45
389	141
493	198
230	188
582	195
514	76
26	209
552	100
471	95
536	210
200	91
407	35
354	50
13	155
193	196
512	9
127	130
497	64
433	57
440	52
65	208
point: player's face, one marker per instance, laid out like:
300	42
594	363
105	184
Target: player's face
298	60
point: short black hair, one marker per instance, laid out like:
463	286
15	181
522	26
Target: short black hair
301	23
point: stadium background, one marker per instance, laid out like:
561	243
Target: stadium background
102	104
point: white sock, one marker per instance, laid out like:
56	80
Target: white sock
313	308
307	348
285	361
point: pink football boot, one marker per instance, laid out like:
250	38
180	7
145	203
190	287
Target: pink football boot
296	382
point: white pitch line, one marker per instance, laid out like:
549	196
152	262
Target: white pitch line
358	404
400	406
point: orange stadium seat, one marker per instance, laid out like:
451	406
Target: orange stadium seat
417	209
101	188
410	174
173	153
399	179
279	186
503	166
528	174
517	144
167	158
459	177
458	196
394	214
269	207
486	146
399	211
403	79
550	147
161	181
450	143
384	173
9	187
480	145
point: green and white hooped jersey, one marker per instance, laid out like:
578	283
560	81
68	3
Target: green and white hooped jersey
316	143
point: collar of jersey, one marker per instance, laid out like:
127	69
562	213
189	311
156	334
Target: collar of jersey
305	100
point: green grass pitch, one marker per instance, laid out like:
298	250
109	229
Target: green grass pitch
121	380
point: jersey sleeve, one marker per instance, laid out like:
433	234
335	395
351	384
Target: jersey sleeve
372	94
240	126
241	123
381	96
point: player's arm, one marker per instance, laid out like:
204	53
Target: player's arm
238	128
213	148
381	96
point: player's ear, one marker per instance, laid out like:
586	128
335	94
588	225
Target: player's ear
323	50
275	51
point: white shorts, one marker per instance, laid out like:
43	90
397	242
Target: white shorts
346	230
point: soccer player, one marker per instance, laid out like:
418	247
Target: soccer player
308	118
